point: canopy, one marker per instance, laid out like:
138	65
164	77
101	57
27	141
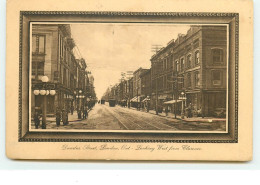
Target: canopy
146	99
135	99
172	101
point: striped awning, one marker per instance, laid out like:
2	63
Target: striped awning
172	101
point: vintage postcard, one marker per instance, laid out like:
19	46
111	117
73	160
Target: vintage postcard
100	82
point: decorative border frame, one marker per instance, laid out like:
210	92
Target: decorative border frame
32	137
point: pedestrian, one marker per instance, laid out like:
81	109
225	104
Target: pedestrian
72	109
79	114
85	113
166	110
64	117
189	111
148	106
58	116
36	119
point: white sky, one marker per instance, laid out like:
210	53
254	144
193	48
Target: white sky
112	48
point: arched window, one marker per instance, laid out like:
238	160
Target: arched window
217	56
197	58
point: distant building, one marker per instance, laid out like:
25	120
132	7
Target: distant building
137	90
146	83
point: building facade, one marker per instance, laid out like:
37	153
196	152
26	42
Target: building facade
192	69
137	88
145	77
52	56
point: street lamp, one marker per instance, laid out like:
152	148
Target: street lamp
44	91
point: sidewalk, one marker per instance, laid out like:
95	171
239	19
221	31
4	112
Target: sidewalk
193	119
71	118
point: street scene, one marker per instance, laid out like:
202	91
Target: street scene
176	81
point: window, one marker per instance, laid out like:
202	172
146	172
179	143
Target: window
216	78
188	80
182	64
64	77
56	75
217	56
197	78
171	61
38	44
37	68
176	66
189	61
181	81
197	58
34	43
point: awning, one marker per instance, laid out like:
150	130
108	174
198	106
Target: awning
135	99
146	99
172	101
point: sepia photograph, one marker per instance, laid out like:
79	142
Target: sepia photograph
129	77
140	82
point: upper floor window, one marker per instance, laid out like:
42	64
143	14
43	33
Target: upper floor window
38	44
189	61
216	77
189	80
37	68
176	66
182	64
171	61
197	58
217	56
197	78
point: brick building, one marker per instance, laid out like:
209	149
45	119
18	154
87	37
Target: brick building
137	88
146	83
193	65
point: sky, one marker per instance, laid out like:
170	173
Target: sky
112	48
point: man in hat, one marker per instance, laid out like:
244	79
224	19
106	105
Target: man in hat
64	117
36	119
58	116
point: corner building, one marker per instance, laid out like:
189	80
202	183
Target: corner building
194	66
52	56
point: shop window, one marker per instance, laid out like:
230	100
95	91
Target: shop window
197	58
216	78
217	56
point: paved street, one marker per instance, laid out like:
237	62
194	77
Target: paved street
103	117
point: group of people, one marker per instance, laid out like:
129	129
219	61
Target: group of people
83	114
62	115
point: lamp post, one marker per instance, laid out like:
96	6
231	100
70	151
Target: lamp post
44	91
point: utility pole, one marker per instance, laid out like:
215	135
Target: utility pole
175	90
155	48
